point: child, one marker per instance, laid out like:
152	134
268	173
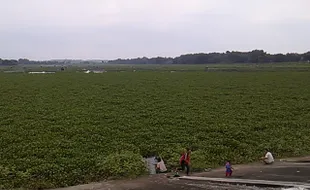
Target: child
229	169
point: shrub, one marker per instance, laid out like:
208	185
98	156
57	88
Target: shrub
122	165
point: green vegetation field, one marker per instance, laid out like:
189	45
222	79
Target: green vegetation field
70	128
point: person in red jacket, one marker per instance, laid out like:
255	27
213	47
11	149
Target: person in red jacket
185	160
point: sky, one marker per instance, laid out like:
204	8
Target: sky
111	29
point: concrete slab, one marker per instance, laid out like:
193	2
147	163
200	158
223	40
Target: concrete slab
295	173
305	159
286	173
260	183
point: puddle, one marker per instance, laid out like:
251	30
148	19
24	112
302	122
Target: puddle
43	72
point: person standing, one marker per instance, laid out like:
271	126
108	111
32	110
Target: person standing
185	160
229	169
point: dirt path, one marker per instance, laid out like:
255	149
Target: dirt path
294	169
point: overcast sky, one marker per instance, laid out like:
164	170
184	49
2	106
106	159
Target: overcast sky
109	29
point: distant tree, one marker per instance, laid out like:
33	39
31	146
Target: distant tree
256	56
292	57
278	58
7	62
23	61
306	56
236	57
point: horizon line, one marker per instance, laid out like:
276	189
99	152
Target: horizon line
141	57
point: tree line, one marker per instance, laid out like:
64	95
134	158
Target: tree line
255	56
12	62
